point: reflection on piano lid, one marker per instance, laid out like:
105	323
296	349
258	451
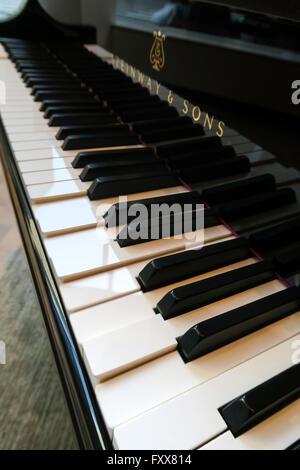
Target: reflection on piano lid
247	56
163	339
32	22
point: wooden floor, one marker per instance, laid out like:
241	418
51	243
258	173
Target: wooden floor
9	235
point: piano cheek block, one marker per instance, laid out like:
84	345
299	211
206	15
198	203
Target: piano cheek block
110	186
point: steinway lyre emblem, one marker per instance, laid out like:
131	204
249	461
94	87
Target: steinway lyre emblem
157	53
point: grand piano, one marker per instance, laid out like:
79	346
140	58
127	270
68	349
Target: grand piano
163	242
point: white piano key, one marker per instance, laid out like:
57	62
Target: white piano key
36	145
56	152
52	219
191	419
98	252
30	128
92	290
49	153
24	105
41	136
35	119
93	333
88	323
44	144
22	114
50	176
275	433
47	164
3	53
58	190
148	340
80	210
141	389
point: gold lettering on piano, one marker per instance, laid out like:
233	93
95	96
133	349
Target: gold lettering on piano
170	97
221	126
149	84
209	121
185	109
183	106
196	113
157	52
132	72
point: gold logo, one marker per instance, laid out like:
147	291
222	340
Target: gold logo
157	53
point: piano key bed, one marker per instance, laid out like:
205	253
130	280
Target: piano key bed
183	341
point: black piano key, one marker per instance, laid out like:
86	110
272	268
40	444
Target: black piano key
223	329
276	236
121	155
288	263
118	129
113	81
43	62
33	65
196	295
210	170
69	119
96	170
152	113
33	79
173	268
67	101
87	141
146	104
120	212
122	102
239	189
181	161
32	74
294	446
141	126
119	93
118	87
256	204
62	94
50	81
70	108
146	230
197	144
130	184
145	101
263	401
180	132
59	87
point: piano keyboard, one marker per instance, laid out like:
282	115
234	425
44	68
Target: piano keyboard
180	336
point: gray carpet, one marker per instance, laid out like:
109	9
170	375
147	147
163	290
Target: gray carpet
33	412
